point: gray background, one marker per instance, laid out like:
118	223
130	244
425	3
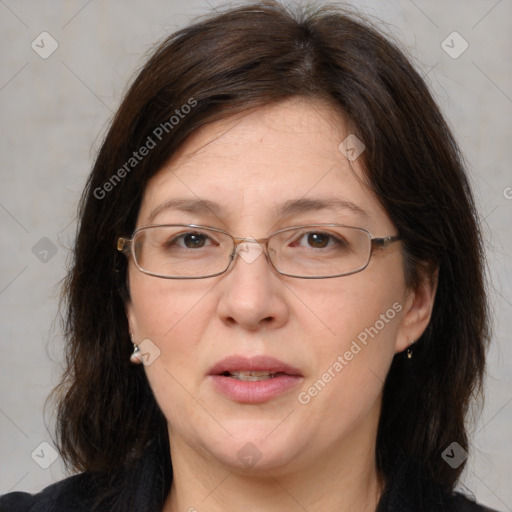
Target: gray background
54	112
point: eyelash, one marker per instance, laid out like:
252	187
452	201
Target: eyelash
333	240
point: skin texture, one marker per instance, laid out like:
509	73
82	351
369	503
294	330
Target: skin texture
314	456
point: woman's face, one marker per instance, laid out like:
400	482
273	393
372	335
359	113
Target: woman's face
339	335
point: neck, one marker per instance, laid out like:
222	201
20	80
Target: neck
344	479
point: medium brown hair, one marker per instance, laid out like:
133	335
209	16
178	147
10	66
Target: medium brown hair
250	57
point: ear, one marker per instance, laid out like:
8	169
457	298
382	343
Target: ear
128	307
132	321
418	306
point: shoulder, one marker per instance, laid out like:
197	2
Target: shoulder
73	493
462	503
437	501
408	489
140	485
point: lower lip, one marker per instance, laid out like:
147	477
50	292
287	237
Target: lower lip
254	392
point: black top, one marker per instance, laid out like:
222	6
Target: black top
144	488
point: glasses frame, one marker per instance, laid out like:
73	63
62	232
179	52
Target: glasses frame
126	246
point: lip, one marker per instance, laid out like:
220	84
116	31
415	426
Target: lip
257	363
254	391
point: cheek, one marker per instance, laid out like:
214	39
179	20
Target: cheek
166	309
174	316
360	319
356	307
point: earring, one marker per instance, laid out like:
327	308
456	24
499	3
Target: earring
134	358
409	353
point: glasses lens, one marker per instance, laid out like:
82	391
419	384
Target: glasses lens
182	251
320	251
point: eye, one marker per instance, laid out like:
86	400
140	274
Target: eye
191	240
318	240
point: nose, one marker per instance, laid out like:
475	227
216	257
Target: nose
252	292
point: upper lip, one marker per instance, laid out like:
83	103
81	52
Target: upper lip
257	363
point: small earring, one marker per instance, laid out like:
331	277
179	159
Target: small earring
134	358
409	353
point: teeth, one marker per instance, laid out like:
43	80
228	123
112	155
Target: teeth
252	376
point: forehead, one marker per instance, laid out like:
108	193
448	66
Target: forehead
259	160
297	126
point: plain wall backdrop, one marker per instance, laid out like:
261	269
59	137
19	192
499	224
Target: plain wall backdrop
54	111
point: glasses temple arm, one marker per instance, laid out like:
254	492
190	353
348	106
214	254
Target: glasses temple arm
382	243
123	244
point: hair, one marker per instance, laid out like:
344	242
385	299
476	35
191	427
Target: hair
247	58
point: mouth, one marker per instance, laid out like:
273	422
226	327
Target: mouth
252	376
253	368
253	380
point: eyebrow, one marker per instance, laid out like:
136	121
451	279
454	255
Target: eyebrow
305	205
288	208
187	205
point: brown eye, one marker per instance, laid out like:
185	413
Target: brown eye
193	240
318	240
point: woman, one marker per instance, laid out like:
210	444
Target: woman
276	300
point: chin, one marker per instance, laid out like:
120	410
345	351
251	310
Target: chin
251	449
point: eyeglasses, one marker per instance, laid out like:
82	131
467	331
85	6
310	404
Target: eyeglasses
188	251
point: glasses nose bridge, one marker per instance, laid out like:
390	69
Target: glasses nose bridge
237	241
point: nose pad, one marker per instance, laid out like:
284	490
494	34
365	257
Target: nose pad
249	250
